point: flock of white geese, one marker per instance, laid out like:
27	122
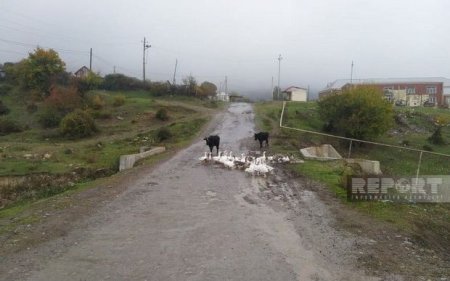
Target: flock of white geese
250	164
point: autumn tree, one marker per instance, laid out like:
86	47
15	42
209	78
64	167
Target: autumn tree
360	112
41	69
208	89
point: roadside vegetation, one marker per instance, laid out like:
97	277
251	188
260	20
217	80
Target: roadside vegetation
57	130
426	224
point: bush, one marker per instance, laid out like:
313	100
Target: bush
119	100
163	134
5	89
64	99
162	114
360	112
436	137
3	109
77	124
50	117
8	126
117	82
159	89
97	102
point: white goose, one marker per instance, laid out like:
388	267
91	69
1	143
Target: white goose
229	161
204	158
217	158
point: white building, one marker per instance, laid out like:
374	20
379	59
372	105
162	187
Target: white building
296	94
222	96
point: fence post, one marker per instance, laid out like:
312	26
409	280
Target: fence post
418	167
350	149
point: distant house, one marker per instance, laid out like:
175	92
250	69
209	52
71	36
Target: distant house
418	90
295	94
82	72
222	96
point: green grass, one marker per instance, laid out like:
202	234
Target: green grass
427	223
122	130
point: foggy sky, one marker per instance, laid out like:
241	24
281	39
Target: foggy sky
318	39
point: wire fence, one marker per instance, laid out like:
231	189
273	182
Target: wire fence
421	154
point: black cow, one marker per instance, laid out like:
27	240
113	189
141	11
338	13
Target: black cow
212	141
262	136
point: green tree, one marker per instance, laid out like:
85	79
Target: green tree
190	85
41	69
359	112
208	89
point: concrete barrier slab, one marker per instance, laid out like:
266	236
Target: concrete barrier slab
127	161
325	152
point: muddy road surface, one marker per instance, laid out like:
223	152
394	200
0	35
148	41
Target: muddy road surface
185	220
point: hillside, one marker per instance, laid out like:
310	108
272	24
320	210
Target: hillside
123	128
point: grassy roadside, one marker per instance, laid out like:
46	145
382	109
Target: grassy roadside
428	224
122	130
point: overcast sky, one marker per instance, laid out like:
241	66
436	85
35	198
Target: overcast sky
318	39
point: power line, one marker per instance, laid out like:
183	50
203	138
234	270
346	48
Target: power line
17	43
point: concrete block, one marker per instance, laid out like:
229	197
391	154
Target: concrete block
127	161
325	152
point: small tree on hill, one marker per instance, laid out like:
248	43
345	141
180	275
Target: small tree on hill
359	112
41	69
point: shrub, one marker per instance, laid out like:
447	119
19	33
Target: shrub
359	112
50	117
77	124
119	81
162	114
63	99
119	100
97	102
3	109
163	134
436	137
8	126
5	89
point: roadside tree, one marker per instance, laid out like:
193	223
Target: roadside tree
208	89
360	112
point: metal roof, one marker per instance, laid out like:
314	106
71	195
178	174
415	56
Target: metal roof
294	87
338	84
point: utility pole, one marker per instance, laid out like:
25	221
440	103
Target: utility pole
351	74
175	72
145	47
226	85
114	70
271	89
279	70
90	60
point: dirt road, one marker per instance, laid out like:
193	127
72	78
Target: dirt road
188	221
